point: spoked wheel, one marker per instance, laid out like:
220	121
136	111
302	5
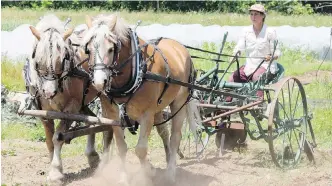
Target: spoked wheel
289	128
193	144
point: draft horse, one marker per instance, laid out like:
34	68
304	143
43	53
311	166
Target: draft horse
120	63
55	87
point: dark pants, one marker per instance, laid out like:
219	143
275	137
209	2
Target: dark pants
243	78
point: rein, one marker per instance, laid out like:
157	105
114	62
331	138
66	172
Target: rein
226	55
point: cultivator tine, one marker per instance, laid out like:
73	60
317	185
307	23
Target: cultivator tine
222	144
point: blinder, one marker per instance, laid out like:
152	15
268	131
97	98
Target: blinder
86	50
64	68
102	66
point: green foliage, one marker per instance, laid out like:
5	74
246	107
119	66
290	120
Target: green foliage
287	7
13	17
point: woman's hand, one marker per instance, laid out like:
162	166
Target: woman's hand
268	57
238	53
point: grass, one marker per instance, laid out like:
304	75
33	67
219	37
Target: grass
13	17
10	152
322	126
320	89
11	74
12	131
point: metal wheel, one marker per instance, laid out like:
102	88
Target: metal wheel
289	127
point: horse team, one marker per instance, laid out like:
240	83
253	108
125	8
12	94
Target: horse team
115	59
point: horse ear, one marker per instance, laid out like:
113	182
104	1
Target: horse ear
113	22
88	21
67	34
35	32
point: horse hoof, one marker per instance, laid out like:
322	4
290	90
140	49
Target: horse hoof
150	170
170	175
55	177
93	160
123	179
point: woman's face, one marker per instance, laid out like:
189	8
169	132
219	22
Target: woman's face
256	17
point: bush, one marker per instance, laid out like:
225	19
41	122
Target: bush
287	7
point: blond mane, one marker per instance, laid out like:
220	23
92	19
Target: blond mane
120	31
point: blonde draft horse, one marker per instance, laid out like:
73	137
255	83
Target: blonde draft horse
102	41
50	60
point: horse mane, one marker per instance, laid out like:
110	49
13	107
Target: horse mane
121	29
50	21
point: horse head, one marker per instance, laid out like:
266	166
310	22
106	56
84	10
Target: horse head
51	55
103	43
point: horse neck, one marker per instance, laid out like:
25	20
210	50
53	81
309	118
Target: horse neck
125	74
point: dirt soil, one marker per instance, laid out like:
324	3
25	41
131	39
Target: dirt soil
29	165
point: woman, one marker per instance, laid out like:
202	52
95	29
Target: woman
256	40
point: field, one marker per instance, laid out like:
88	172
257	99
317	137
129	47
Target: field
24	155
12	17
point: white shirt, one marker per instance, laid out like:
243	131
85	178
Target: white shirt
259	46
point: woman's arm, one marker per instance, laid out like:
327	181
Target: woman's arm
241	44
272	39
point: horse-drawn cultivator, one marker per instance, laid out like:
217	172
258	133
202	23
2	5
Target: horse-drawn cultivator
281	118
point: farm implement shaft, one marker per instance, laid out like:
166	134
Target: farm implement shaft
67	116
212	106
156	77
233	111
68	136
216	106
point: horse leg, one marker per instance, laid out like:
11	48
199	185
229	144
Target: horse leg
141	150
122	148
163	133
107	139
176	136
49	131
90	151
55	174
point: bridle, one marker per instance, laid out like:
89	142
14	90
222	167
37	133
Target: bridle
50	74
102	66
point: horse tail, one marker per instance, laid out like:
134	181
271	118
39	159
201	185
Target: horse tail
193	112
194	116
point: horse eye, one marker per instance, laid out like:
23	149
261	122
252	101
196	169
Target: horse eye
87	51
110	50
42	72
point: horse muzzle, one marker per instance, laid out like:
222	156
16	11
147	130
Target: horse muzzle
50	94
